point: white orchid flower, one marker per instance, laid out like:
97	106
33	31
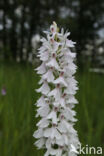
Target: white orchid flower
58	87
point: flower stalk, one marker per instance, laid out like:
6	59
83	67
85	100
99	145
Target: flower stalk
56	131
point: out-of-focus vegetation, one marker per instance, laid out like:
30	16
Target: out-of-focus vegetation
17	112
21	20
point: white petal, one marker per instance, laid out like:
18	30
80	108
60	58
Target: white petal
44	89
56	152
55	133
43	111
70	43
61	127
69	114
70	69
53	116
53	63
38	133
47	153
43	123
41	102
62	102
69	127
56	103
53	151
55	93
44	56
48	143
60	80
48	76
43	39
59	152
72	100
72	154
39	143
70	91
60	141
47	132
66	139
41	69
72	55
55	46
41	81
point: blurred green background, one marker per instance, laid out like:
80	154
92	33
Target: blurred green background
21	26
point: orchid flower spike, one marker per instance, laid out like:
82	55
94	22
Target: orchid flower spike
55	132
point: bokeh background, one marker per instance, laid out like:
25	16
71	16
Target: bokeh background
21	26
